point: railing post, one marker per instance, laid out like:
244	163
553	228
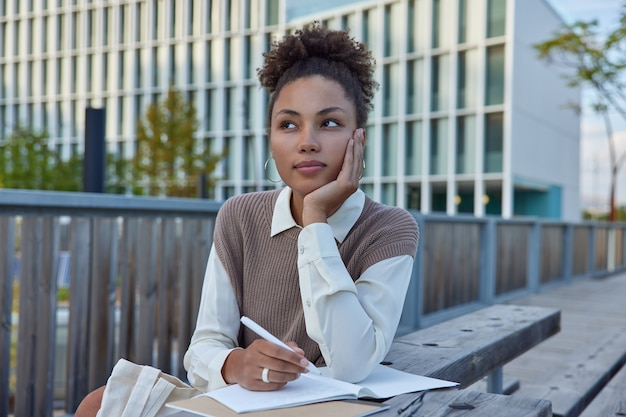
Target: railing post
610	249
488	262
568	252
592	249
534	256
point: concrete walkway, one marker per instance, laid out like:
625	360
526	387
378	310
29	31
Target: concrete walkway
571	367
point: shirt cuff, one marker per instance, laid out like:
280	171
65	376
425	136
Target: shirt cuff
316	241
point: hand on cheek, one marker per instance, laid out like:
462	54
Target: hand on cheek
323	202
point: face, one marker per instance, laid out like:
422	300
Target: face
312	122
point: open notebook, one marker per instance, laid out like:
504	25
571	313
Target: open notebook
383	382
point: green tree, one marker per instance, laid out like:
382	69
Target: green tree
167	159
28	162
597	62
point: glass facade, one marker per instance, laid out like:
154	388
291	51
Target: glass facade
430	120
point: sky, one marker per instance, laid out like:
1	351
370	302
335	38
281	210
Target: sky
594	149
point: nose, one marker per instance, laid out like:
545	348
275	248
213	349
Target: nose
307	142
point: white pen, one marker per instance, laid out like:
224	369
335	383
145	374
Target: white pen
252	325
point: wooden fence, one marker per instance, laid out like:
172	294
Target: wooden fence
136	268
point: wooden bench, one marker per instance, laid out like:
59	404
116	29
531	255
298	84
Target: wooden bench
470	347
576	387
573	367
611	402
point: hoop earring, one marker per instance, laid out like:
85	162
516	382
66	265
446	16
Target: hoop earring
267	161
362	171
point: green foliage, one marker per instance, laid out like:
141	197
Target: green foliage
28	162
598	62
591	59
167	160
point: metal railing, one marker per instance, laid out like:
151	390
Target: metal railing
136	267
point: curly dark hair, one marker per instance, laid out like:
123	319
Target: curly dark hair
332	54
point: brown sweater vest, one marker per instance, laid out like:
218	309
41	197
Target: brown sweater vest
264	272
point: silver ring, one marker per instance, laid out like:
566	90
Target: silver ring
265	375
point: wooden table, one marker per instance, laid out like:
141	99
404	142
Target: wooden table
468	348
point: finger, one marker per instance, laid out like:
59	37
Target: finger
295	347
359	149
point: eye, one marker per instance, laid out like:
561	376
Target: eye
287	125
330	123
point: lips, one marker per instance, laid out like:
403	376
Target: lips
308	164
309	167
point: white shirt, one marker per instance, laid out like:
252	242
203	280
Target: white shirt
353	323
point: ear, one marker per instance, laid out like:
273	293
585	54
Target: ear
364	136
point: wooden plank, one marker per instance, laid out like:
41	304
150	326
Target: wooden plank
77	385
467	348
101	322
46	315
185	290
166	279
7	254
612	399
27	328
146	290
437	403
127	270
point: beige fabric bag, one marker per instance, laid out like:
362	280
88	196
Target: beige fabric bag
141	391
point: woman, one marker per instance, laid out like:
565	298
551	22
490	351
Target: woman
317	263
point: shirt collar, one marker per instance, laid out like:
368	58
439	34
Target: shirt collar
340	222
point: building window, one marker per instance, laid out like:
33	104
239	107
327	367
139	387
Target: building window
496	18
250	116
155	67
494	82
59	72
494	131
228	161
208	9
29	36
390	149
74	75
120	70
88	73
207	63
440	82
252	14
389	193
466	79
190	69
44	34
391	89
413	197
210	110
172	61
392	29
438	146
271	17
417	25
371	31
415	86
413	148
3	39
90	29
465	144
106	18
139	10
442	27
249	166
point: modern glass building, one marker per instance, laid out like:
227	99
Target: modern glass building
466	119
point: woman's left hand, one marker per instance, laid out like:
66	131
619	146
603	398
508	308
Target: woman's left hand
323	202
